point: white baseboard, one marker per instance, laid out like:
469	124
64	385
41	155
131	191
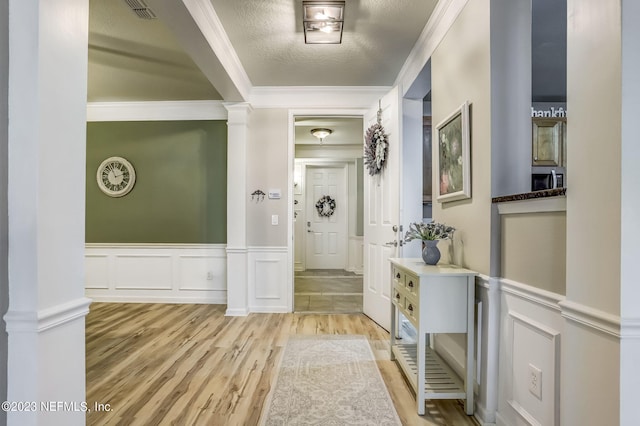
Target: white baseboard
156	273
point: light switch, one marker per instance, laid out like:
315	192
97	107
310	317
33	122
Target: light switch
274	219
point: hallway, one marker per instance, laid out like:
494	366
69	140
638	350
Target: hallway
327	291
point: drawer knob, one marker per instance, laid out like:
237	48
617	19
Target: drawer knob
411	284
410	307
397	295
398	275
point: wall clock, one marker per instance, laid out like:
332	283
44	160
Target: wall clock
116	176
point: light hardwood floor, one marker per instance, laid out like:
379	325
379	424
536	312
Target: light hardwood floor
160	364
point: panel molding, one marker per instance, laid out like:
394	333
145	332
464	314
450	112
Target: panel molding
189	273
554	338
270	285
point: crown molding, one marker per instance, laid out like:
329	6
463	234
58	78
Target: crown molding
443	16
316	96
156	111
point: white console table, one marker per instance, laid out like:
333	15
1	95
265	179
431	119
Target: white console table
435	299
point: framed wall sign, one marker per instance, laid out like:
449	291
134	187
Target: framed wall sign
454	159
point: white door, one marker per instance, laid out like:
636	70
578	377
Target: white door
326	246
382	215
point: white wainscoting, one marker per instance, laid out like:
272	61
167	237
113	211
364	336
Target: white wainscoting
531	325
356	253
156	273
270	289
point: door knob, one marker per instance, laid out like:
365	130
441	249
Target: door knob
393	243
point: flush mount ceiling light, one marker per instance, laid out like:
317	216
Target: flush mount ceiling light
321	133
322	21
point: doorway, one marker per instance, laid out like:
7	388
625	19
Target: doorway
327	214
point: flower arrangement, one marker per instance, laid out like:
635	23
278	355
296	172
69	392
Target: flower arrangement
428	231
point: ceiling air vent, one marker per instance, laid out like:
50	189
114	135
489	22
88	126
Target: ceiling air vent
140	8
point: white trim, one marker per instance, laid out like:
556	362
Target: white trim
156	111
630	328
237	250
536	205
213	300
48	318
169	246
236	312
330	97
443	16
538	296
267	249
601	321
211	27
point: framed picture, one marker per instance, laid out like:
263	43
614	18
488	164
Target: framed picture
454	159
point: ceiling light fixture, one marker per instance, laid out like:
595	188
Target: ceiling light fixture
322	21
321	133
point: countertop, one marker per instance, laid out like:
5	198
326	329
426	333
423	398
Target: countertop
545	193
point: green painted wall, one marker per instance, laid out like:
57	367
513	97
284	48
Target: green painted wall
181	182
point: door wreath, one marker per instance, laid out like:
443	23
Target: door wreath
326	206
376	146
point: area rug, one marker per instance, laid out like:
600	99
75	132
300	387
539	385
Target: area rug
329	380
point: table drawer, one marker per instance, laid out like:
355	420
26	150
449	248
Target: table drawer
411	310
412	283
398	297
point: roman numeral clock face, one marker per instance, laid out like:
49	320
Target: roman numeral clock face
116	176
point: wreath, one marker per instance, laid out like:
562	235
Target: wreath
376	147
326	206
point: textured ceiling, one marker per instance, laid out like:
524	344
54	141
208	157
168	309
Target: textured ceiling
133	59
377	39
136	59
346	130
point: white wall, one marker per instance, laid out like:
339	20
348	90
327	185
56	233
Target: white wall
4	283
267	168
590	388
630	226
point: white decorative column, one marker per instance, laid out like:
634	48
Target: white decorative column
237	277
48	43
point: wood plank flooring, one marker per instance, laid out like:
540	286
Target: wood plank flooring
161	364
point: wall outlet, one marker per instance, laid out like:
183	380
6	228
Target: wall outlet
535	381
209	276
